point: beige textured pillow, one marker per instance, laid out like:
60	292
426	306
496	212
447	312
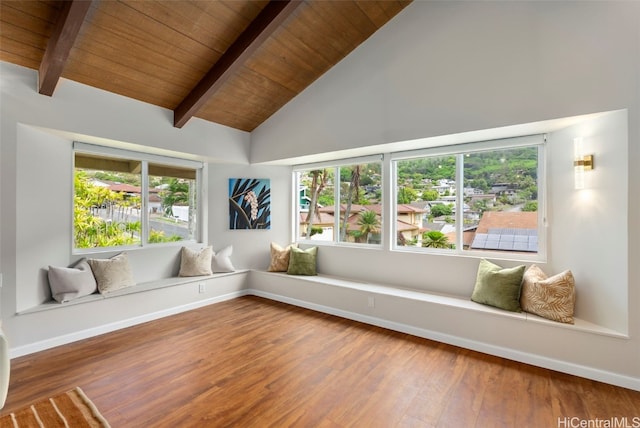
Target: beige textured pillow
280	257
112	274
195	263
549	297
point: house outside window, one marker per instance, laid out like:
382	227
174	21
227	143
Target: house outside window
126	199
480	198
340	203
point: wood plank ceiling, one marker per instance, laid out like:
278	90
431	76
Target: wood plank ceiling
168	53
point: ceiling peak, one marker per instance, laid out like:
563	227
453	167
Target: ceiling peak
267	21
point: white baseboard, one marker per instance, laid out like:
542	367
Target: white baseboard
536	360
511	354
107	328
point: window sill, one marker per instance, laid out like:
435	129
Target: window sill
514	256
138	288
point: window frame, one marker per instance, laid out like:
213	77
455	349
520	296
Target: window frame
145	160
336	165
459	151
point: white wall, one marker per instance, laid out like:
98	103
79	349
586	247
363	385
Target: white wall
250	247
36	209
482	69
589	229
93	115
441	68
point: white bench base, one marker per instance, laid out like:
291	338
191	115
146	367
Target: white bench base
453	301
138	288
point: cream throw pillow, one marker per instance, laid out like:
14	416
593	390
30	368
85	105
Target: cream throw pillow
195	262
280	257
221	261
112	274
549	297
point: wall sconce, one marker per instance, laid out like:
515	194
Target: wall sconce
581	163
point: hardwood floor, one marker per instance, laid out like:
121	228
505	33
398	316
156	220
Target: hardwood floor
252	362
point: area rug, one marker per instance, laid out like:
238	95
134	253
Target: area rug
71	409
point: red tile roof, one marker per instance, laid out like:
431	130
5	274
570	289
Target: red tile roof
403	226
507	219
319	218
125	188
467	237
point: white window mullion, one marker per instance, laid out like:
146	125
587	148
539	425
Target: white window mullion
144	204
337	181
459	203
389	212
295	212
202	219
542	200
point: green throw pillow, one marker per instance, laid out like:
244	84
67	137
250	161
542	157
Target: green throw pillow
498	287
302	262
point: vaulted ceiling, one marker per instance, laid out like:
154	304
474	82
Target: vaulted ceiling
230	62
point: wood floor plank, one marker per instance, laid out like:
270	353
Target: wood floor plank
499	409
534	398
252	362
442	377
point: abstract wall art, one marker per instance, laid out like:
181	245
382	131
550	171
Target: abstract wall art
249	203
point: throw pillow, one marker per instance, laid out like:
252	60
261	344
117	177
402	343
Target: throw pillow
498	287
552	298
195	262
112	274
72	282
280	257
221	262
303	262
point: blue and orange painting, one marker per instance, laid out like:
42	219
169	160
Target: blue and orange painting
249	203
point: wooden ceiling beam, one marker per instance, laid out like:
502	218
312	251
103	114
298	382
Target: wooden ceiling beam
62	39
267	21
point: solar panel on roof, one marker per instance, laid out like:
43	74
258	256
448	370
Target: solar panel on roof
507	239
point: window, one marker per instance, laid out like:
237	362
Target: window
426	192
340	203
171	213
316	195
129	199
479	197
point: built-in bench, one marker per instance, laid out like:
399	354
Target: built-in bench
454	301
138	288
